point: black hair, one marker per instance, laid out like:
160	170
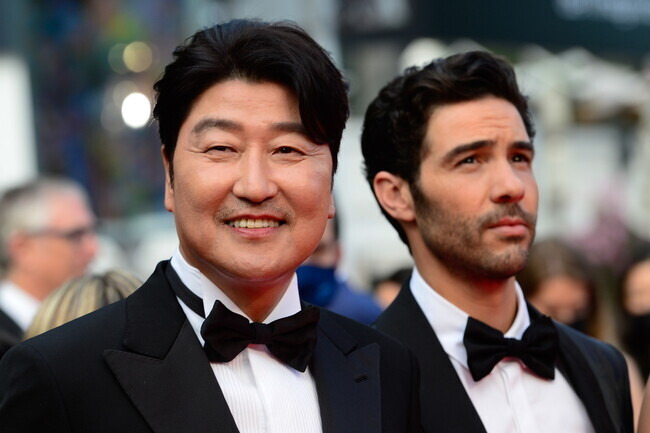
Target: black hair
254	51
396	120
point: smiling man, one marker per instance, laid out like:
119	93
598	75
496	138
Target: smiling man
448	150
250	117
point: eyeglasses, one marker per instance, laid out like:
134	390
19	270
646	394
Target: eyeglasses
75	235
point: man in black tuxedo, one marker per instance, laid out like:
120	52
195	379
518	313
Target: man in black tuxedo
250	117
448	153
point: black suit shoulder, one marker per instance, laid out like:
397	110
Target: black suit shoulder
596	351
604	367
349	334
399	371
98	329
9	326
363	333
10	333
47	380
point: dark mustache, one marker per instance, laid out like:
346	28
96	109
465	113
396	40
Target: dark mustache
241	208
511	210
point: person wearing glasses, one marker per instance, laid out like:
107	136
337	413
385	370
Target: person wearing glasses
47	236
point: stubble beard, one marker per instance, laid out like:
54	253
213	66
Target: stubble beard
457	241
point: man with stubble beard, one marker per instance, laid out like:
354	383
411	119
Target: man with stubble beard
448	150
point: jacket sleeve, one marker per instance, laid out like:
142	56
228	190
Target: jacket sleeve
30	400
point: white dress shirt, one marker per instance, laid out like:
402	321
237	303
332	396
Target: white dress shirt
263	394
20	306
510	399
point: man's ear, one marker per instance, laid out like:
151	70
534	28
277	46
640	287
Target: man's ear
331	210
19	247
16	243
169	190
394	196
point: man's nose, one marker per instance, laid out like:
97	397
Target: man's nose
254	182
508	185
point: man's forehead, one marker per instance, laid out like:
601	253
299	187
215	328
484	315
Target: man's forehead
485	120
68	206
235	105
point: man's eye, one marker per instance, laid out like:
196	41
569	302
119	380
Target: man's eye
220	148
520	157
287	150
468	160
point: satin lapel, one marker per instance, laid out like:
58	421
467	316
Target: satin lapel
347	380
446	407
581	375
164	371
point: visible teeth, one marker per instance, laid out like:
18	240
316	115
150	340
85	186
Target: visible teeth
253	224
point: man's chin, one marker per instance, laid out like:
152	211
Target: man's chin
511	266
506	264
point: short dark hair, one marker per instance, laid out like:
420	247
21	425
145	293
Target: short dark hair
254	51
396	120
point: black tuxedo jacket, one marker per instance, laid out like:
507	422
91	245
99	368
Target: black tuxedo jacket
596	371
137	366
10	333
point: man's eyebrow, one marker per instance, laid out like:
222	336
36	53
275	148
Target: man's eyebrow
450	156
296	127
213	122
524	145
229	125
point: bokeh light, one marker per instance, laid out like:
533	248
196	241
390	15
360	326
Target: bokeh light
137	56
136	110
116	58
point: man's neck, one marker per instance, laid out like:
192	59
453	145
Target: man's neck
256	302
492	301
256	299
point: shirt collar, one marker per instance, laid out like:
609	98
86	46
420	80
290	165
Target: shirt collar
198	283
18	304
448	321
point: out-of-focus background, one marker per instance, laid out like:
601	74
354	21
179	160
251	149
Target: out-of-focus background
76	93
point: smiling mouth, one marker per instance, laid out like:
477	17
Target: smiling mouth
247	223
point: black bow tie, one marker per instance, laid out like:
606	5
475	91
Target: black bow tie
226	334
487	346
291	339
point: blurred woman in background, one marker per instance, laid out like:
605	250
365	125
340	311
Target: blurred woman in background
81	296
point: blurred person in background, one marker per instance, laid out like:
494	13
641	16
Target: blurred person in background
320	285
448	149
386	288
635	306
81	296
557	281
635	297
250	116
47	236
